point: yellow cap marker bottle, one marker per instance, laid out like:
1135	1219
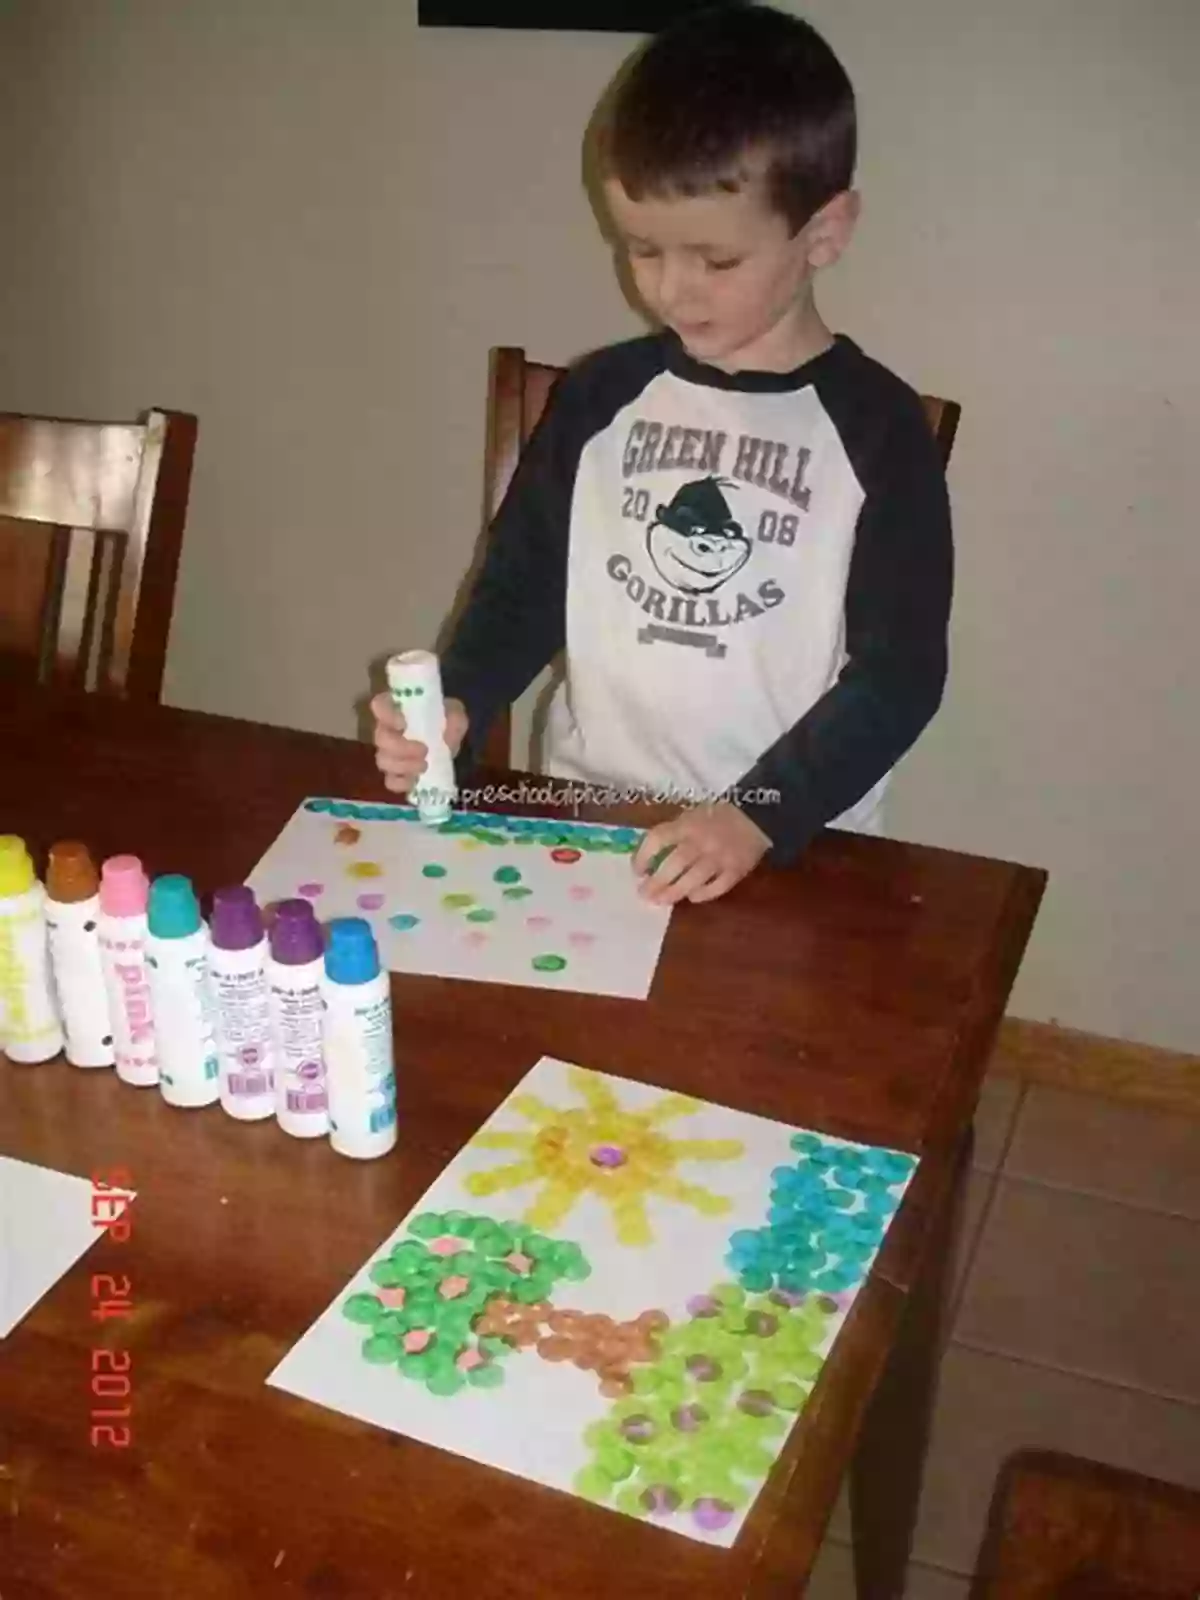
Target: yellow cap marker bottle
29	1025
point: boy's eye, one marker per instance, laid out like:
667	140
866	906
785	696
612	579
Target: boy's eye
642	252
723	266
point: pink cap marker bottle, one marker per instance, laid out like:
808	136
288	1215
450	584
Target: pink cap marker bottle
124	897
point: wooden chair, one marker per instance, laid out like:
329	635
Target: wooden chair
517	395
92	527
1060	1528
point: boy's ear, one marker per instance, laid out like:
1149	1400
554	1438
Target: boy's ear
831	229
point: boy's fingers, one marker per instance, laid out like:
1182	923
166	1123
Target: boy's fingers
655	843
660	886
387	714
713	890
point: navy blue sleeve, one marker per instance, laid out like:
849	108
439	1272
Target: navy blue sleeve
898	600
514	620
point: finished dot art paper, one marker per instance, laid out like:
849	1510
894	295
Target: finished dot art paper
620	1293
516	900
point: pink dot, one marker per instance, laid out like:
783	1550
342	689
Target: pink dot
538	922
469	1360
581	941
393	1298
417	1340
370	902
475	939
310	891
446	1245
581	891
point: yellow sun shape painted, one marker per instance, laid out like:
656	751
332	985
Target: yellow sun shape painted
603	1149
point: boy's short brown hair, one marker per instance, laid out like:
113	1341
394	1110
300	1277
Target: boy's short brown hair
708	100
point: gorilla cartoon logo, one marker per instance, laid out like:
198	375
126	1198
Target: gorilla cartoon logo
694	543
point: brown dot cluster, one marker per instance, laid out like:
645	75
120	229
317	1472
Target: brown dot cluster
591	1341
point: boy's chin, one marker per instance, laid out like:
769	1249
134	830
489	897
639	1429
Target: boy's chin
705	342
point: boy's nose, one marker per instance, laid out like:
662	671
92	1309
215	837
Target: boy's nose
674	288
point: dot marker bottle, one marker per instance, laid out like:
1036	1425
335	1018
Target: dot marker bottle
358	1043
177	956
415	682
73	919
237	967
124	894
29	1026
294	975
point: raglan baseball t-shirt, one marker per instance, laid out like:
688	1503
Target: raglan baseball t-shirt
750	574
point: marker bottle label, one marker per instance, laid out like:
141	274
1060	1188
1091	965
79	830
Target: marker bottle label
239	988
29	1025
79	978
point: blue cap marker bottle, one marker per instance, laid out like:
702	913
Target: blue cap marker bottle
359	1056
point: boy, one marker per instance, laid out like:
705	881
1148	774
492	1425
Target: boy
737	528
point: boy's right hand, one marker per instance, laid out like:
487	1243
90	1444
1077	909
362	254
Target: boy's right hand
401	759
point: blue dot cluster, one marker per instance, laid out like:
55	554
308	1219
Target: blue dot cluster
818	1236
547	830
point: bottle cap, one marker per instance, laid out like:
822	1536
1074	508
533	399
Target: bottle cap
174	910
296	934
351	956
124	887
237	922
71	875
16	867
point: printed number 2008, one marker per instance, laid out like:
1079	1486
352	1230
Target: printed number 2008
636	504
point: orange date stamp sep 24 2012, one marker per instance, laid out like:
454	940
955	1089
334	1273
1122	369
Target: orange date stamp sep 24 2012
111	1380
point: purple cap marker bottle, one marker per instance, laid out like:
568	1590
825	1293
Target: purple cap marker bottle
294	983
238	969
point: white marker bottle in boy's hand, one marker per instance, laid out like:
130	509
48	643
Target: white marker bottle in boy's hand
415	682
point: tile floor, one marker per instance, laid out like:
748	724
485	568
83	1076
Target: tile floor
1075	1318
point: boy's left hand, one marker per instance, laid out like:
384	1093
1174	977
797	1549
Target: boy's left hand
711	848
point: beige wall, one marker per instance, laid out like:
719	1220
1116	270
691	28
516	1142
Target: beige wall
308	223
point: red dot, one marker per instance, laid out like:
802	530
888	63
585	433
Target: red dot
564	856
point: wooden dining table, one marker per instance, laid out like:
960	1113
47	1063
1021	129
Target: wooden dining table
856	993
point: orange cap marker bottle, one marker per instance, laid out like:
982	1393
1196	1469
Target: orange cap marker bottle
73	917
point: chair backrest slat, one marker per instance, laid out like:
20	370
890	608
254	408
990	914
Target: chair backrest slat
112	497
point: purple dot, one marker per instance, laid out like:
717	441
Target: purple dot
608	1155
703	1368
712	1515
660	1500
703	1305
310	891
370	902
756	1403
688	1419
638	1429
762	1324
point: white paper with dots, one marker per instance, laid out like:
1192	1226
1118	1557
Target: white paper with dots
546	904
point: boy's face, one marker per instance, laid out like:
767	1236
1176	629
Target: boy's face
723	269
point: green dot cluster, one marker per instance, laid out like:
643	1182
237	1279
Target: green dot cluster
410	1265
409	692
704	1423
